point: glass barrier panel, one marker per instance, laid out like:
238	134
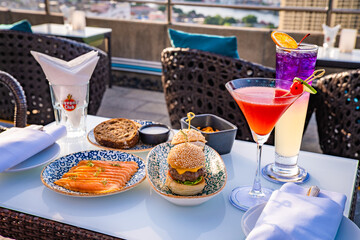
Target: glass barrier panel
225	16
33	5
148	11
301	21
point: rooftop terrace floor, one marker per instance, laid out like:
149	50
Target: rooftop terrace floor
150	105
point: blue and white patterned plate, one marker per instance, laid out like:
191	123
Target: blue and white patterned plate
55	170
157	168
139	147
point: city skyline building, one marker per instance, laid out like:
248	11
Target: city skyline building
312	21
347	20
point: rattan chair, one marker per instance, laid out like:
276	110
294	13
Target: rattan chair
338	111
15	59
16	96
17	225
194	80
338	116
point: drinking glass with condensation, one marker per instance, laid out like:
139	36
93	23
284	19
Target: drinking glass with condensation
69	89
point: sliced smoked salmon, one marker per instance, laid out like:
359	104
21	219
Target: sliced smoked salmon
95	176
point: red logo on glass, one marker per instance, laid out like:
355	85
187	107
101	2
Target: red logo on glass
69	103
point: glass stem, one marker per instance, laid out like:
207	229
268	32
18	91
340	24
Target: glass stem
256	188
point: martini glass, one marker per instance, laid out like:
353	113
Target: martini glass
262	101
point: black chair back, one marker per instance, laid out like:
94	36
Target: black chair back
17	94
337	113
16	60
194	81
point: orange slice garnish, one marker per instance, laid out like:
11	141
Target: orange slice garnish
283	40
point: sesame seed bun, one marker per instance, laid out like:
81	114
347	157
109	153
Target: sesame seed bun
182	189
186	155
192	135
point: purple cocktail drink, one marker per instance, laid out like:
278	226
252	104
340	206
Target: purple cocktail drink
289	129
298	62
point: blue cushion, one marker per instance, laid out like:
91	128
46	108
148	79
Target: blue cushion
226	46
23	26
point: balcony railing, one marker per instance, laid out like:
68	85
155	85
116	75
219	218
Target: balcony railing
328	10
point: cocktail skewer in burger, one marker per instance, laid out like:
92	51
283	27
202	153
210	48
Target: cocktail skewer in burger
189	135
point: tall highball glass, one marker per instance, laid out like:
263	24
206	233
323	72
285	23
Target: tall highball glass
289	129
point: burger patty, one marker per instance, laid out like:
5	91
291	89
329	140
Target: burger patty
186	176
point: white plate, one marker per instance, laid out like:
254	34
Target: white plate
347	229
56	169
45	156
139	147
157	168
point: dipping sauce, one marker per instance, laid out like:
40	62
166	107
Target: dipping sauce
154	133
154	130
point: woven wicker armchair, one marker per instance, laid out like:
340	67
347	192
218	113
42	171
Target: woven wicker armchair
17	225
194	80
17	94
338	111
338	115
16	60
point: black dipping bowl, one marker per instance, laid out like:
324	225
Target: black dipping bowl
221	141
151	134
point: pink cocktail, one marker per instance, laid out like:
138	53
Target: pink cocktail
262	106
262	101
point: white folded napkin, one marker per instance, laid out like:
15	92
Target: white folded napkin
19	144
67	13
290	214
69	78
75	72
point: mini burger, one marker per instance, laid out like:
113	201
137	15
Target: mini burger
186	169
193	136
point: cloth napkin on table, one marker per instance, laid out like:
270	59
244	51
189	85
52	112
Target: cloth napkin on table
75	72
71	75
19	144
290	214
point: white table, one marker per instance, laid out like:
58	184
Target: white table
142	214
332	57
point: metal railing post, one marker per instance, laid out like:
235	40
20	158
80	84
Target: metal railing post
329	12
47	9
169	12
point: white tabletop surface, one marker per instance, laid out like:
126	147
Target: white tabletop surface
62	30
334	55
142	214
